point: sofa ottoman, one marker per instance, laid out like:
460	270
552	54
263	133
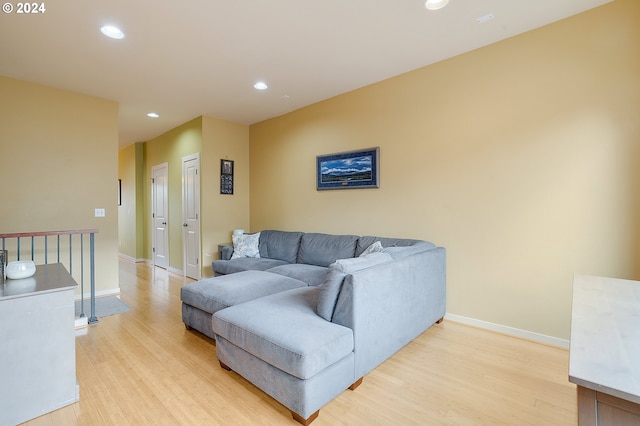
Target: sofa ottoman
203	298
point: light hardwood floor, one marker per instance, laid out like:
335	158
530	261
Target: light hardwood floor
143	367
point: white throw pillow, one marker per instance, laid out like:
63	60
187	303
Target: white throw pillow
246	245
373	248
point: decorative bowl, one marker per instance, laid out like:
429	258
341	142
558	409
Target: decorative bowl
20	269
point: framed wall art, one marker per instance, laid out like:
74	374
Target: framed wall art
226	176
348	170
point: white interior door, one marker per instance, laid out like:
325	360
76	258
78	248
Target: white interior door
191	214
160	214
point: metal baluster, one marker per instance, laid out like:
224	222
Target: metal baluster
82	276
70	256
93	319
4	262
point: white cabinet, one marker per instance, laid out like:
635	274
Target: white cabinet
37	344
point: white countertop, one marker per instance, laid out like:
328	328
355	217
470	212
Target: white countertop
51	277
605	336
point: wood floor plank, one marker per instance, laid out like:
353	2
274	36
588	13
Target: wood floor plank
143	367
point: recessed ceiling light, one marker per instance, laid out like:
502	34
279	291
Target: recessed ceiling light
153	115
485	18
113	32
435	4
261	85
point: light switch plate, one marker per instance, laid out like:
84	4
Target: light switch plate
100	213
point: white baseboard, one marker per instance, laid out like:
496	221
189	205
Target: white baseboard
168	268
511	331
101	293
150	263
131	259
175	271
82	322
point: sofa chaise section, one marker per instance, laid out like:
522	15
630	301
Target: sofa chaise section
280	345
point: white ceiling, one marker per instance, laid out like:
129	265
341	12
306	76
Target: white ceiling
183	59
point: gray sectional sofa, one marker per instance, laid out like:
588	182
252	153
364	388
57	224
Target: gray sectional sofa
308	315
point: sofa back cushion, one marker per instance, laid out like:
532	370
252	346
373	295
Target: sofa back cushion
280	245
324	249
366	241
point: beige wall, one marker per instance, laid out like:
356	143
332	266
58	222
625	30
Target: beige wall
58	162
521	158
131	211
221	213
213	139
170	148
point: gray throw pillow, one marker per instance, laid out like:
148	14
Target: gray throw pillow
354	264
406	251
329	291
330	288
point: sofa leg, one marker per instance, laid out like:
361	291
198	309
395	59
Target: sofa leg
356	384
224	366
187	326
298	418
440	320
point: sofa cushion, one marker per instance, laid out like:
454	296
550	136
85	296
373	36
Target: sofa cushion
245	245
324	249
213	294
280	245
366	241
244	264
330	288
283	330
311	274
